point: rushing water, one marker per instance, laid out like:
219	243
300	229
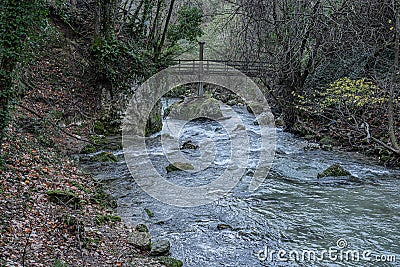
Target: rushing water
291	211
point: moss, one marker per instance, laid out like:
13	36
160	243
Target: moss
168	110
102	143
189	145
98	127
149	213
154	126
196	107
169	261
59	263
103	219
327	143
88	149
142	228
80	187
154	122
179	166
104	157
64	197
334	170
101	198
88	242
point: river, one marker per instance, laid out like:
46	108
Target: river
292	211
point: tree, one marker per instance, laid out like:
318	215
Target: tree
311	44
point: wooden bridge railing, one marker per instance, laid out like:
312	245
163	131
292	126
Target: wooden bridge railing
251	69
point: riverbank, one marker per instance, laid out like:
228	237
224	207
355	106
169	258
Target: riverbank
54	214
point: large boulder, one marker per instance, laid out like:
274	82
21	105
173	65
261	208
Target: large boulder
196	107
140	240
327	143
335	170
179	166
160	248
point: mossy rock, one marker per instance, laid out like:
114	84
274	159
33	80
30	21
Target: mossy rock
223	226
327	143
160	248
169	261
189	145
196	107
100	142
107	126
279	122
179	166
335	170
104	157
154	121
142	228
140	240
149	213
64	197
168	110
88	149
103	219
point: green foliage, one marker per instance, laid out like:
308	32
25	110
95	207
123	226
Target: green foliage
101	198
18	21
59	263
188	26
119	61
103	219
64	197
88	149
104	157
186	30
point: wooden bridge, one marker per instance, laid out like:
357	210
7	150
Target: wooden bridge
222	67
219	68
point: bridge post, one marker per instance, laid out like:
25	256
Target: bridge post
200	91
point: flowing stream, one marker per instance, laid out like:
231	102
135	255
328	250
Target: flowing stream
292	211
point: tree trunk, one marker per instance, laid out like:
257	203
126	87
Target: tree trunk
6	69
393	84
158	47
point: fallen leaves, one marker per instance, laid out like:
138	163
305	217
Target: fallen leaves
35	231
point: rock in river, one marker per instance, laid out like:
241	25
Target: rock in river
189	145
141	240
160	248
196	107
335	170
179	166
